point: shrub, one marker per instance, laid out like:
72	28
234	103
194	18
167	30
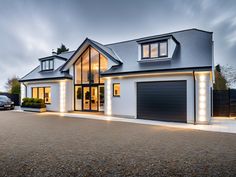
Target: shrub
33	103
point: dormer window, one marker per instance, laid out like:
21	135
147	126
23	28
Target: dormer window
154	50
47	65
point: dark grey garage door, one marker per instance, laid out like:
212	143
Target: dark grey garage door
165	101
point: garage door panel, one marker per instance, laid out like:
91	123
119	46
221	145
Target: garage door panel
162	100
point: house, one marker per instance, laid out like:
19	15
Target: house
165	77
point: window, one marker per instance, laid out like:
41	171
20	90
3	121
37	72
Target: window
34	92
94	75
42	93
103	66
89	66
116	90
146	51
47	95
155	50
78	71
85	67
47	65
163	49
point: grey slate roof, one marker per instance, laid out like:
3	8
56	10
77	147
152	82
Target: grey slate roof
67	55
108	50
194	51
37	75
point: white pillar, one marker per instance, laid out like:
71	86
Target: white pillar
108	97
203	97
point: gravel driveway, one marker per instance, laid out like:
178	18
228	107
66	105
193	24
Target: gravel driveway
45	145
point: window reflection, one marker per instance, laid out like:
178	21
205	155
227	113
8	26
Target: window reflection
85	67
94	66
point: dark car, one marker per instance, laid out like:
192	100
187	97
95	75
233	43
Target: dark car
6	103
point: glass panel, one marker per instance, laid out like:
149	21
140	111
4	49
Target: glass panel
47	95
78	71
86	98
51	64
145	51
44	65
85	67
103	66
41	93
101	98
94	66
163	49
154	50
34	93
47	65
116	89
94	98
78	98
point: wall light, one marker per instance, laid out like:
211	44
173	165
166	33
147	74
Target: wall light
62	96
202	98
108	84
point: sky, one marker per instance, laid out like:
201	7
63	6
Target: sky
30	29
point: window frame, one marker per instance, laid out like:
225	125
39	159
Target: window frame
49	63
158	50
113	89
37	93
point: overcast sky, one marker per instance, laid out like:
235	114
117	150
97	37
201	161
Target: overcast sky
30	29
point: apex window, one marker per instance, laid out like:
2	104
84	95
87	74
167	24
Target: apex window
155	50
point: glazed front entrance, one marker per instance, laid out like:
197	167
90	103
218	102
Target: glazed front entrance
88	83
89	98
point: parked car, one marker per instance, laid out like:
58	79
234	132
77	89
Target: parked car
6	103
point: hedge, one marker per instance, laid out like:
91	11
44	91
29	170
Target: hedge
33	103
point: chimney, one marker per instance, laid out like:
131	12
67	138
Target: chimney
53	52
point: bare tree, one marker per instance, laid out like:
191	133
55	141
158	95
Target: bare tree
229	73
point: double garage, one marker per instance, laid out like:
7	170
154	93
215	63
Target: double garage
162	101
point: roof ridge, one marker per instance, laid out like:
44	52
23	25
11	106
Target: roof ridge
163	34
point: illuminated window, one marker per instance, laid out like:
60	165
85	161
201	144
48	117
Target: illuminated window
94	76
85	67
116	90
103	66
47	95
145	51
42	93
34	92
155	50
89	66
78	71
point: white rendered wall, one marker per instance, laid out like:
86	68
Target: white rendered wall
126	104
57	97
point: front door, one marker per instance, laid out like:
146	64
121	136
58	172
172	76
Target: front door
90	98
86	98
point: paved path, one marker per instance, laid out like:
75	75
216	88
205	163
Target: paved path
49	145
217	124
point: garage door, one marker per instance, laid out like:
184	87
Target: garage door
164	101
